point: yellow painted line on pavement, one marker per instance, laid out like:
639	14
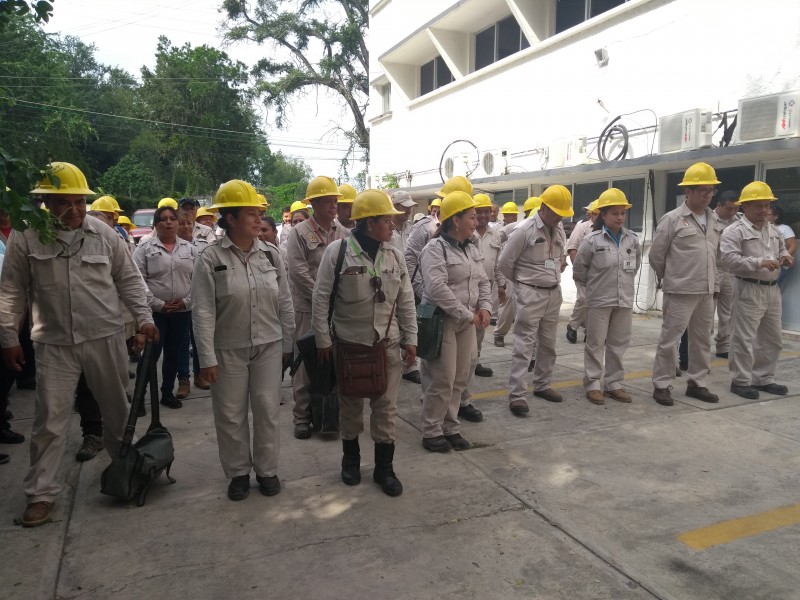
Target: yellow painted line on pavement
735	529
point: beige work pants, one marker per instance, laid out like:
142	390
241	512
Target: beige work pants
248	378
608	331
300	381
383	408
105	363
682	312
723	306
535	327
466	394
756	338
445	377
507	312
578	317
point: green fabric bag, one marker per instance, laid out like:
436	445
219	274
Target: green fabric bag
430	329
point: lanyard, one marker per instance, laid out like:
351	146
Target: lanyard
360	254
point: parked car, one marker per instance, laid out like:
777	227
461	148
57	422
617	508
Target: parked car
142	223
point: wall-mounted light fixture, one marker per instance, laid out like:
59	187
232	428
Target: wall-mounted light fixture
601	56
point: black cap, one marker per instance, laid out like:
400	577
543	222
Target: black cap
191	201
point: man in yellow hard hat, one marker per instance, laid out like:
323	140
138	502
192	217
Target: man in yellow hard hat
84	271
305	246
507	305
345	206
754	251
533	259
684	257
579	232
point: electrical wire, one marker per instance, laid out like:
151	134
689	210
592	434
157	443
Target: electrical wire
469	171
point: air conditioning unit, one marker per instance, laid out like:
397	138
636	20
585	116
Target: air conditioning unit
576	151
769	117
688	130
374	180
495	162
556	154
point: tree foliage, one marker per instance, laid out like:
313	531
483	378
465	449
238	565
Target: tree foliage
330	30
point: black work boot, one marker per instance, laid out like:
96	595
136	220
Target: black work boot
351	462
383	474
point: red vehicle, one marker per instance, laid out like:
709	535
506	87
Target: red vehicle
142	223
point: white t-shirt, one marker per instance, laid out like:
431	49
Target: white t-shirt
786	231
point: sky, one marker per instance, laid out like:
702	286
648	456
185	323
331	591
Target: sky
125	34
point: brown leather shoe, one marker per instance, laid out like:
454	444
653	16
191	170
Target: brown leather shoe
663	396
183	389
700	393
549	394
37	513
595	397
201	383
518	407
619	395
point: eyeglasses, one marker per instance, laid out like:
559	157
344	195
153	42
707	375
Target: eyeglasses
377	284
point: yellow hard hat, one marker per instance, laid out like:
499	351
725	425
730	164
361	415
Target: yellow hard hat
114	203
171	202
482	201
454	203
509	208
758	190
103	204
298	205
611	197
125	221
348	193
459	183
71	180
322	186
435	202
558	199
236	193
263	199
372	203
700	174
204	212
532	203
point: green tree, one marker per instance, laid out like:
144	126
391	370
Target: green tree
336	40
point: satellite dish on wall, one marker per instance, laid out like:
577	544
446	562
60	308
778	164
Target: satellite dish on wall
448	167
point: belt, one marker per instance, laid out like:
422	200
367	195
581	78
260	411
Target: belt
758	281
539	287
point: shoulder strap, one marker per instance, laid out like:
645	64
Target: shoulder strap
336	270
391	316
444	248
270	258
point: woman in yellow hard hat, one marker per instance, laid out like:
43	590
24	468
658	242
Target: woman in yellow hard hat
373	302
454	280
125	223
606	264
244	329
344	206
206	217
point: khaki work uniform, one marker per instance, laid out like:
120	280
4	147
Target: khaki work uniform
531	258
358	319
456	282
421	233
506	312
168	275
578	234
304	249
756	337
74	284
723	305
684	257
243	324
607	269
203	233
399	241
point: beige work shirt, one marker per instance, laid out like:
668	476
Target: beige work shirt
74	289
421	233
533	254
720	225
580	231
357	318
168	275
743	247
400	236
240	299
304	249
683	256
490	244
454	278
608	270
203	233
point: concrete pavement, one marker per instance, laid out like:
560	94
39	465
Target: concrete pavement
574	501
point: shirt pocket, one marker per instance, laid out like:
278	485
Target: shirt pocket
603	258
223	282
269	277
44	269
354	286
391	283
96	269
540	250
157	263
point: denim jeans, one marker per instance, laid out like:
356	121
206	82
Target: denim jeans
173	329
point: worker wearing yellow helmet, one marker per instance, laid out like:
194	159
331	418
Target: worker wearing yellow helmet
605	266
683	256
305	245
579	232
108	206
455	281
374	296
243	325
205	217
507	308
754	251
171	202
345	205
533	259
531	205
510	212
73	284
125	223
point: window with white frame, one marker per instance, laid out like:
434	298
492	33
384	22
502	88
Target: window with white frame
385	92
497	41
570	13
433	75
